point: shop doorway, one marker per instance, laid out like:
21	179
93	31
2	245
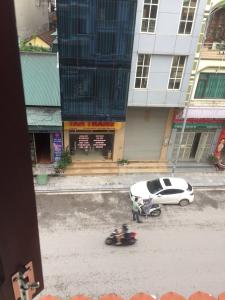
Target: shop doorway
195	145
42	145
91	146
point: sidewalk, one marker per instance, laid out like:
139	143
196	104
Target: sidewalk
197	177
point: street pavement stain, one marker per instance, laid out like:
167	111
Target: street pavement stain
207	200
102	207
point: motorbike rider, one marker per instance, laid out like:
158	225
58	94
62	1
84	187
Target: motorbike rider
125	231
121	234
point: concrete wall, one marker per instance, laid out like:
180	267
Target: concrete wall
31	17
163	45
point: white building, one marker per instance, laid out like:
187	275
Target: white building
205	102
32	17
165	42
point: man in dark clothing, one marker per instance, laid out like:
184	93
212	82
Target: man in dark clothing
121	234
135	211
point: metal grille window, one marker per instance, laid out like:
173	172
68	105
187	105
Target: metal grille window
142	71
149	15
210	86
187	16
176	72
95	51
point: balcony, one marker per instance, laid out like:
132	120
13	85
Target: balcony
214	51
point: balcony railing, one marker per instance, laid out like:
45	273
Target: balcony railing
213	50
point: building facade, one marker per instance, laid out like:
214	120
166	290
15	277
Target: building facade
32	17
128	64
166	36
42	98
95	51
205	102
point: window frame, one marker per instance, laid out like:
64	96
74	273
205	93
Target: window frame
156	18
188	7
207	82
181	79
143	66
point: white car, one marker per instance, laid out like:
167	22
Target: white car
170	190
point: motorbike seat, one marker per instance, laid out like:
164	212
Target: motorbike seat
155	205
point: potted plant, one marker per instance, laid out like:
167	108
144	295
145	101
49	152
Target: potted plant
63	162
123	162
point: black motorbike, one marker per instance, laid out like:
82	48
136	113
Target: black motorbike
127	240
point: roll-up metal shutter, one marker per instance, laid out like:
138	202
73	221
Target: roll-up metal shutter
144	133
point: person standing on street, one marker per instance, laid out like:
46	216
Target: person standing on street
135	211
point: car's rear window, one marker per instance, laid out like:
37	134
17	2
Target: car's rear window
189	187
167	182
154	186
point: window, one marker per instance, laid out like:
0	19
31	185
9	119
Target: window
170	192
187	16
210	86
189	187
176	72
149	15
154	186
176	191
142	71
166	192
167	181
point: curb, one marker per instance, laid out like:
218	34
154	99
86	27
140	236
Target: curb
122	190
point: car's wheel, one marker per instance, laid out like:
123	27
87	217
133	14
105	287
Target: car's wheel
184	202
155	213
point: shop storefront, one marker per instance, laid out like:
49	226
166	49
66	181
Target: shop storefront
46	147
93	141
45	134
199	138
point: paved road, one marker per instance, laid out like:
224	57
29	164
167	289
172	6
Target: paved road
182	250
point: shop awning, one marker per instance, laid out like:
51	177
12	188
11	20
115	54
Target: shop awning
205	112
44	118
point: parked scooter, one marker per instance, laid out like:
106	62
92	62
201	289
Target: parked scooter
128	239
149	209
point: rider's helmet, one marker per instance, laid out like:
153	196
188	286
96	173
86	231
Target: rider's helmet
124	227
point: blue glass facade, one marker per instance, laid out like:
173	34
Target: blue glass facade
95	50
